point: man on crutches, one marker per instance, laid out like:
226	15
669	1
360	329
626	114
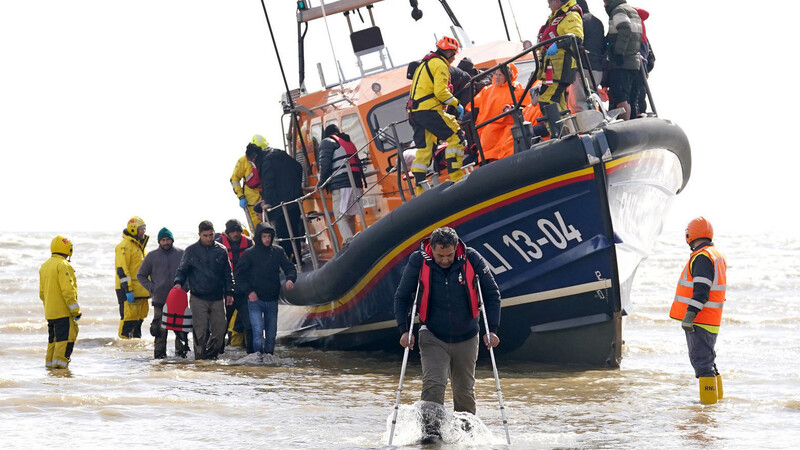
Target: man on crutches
448	274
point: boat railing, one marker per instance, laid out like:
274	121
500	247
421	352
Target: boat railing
330	219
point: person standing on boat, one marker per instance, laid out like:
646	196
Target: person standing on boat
58	290
246	183
131	296
698	303
258	277
335	153
447	272
558	71
624	41
156	274
237	317
594	43
206	273
428	97
281	181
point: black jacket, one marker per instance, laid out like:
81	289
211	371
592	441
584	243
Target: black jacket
281	176
259	268
206	271
449	312
594	40
326	166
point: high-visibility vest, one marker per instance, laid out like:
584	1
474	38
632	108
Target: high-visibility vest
471	284
710	312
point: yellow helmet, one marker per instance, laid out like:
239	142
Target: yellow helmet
62	246
134	224
260	141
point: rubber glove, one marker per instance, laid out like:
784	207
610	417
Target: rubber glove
552	50
459	112
77	318
242	202
688	321
129	297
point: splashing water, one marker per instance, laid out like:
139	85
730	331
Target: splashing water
427	422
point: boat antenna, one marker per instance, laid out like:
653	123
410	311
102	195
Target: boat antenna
503	15
450	14
288	92
514	16
330	41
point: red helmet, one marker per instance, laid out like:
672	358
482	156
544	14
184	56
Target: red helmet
447	43
699	228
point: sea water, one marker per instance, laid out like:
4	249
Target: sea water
114	394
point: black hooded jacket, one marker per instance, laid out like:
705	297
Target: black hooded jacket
259	267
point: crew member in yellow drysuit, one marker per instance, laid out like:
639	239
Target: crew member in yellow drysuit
58	290
246	183
131	295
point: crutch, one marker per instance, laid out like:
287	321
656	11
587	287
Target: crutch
405	361
494	364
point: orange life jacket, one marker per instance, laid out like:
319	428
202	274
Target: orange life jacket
177	315
711	312
471	284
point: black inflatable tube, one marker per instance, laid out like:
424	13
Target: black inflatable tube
542	162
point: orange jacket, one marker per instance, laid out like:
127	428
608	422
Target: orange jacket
491	101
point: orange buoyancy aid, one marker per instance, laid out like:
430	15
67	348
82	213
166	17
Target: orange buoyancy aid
346	150
243	245
253	179
177	315
468	271
710	312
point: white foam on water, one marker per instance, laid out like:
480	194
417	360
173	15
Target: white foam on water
460	428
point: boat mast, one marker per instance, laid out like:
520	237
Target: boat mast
288	93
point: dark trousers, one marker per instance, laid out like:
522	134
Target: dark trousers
160	333
701	352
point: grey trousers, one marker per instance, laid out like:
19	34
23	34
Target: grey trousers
440	361
701	352
208	327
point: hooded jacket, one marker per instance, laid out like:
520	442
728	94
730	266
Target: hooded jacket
128	256
157	273
259	267
58	288
490	102
206	271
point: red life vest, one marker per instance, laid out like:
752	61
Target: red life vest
253	179
711	312
346	150
471	284
243	245
550	30
177	315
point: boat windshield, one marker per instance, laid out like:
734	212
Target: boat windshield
383	115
